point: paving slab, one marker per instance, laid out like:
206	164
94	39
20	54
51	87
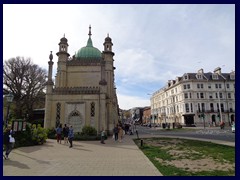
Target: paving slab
86	158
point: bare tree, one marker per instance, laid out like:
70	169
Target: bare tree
26	81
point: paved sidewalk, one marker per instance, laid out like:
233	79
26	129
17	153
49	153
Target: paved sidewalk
86	158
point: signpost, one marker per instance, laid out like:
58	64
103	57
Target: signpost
19	125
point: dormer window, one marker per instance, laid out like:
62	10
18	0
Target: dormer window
214	76
185	77
199	76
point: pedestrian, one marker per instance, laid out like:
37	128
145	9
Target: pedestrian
222	124
115	131
59	133
126	128
8	141
65	133
70	136
120	133
102	136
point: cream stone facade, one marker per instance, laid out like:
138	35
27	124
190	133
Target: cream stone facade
84	91
196	99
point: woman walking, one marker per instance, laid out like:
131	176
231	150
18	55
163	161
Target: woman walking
120	134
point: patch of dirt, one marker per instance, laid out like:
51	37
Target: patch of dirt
183	157
163	143
206	164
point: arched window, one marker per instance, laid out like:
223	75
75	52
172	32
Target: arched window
58	113
92	109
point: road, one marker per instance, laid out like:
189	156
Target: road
214	133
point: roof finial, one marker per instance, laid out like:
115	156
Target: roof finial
64	35
50	56
89	31
108	35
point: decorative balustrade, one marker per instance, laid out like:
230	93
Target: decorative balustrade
77	90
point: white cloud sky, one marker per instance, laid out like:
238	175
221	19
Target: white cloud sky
152	43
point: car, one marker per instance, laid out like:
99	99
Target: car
233	128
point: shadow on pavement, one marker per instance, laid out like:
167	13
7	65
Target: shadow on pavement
37	160
36	147
17	164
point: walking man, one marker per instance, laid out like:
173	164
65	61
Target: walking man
115	131
65	133
70	136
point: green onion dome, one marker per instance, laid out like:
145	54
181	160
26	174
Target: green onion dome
89	51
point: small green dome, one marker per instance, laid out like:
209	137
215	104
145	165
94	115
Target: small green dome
89	51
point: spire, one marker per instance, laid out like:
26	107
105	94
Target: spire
50	65
108	35
64	35
89	31
89	42
51	56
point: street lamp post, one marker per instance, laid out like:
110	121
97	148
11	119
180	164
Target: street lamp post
9	100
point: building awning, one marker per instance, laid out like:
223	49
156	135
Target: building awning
188	115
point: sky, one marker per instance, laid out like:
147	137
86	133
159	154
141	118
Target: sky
153	43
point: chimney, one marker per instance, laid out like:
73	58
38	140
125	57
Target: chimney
217	70
200	71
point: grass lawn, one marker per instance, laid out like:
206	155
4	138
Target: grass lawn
181	157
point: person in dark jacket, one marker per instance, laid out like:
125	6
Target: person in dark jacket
9	145
65	133
115	131
70	136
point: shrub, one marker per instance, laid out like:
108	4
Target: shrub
89	131
37	122
84	137
39	134
51	133
23	138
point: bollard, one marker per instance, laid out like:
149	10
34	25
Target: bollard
137	134
141	143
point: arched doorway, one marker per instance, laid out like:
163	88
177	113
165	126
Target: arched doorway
75	119
232	118
214	119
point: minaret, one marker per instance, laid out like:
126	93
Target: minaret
108	44
62	59
109	77
49	84
50	67
109	69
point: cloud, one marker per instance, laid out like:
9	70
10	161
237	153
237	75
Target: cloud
152	43
128	102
